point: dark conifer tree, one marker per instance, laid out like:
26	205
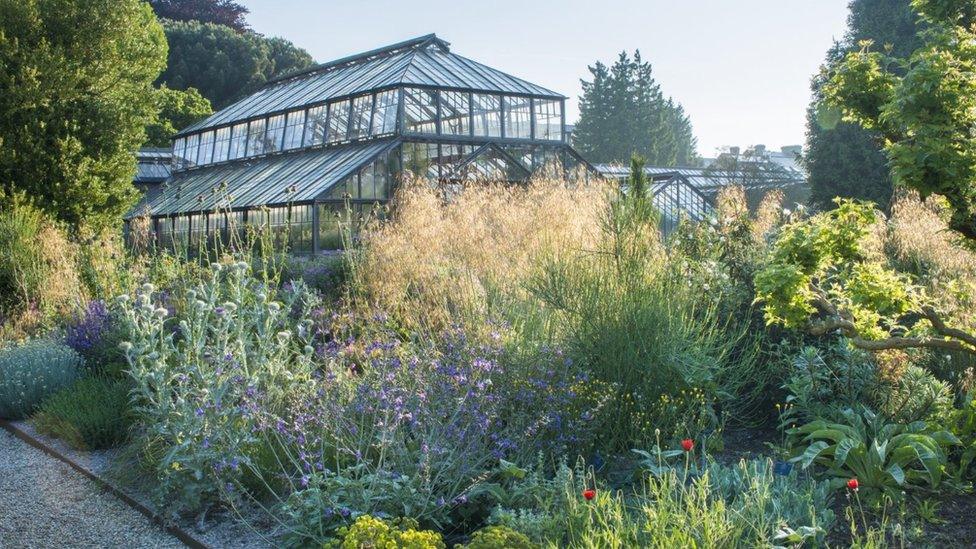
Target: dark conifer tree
844	159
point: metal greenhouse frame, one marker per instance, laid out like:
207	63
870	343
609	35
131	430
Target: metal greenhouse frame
342	133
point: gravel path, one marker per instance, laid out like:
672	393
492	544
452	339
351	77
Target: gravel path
45	503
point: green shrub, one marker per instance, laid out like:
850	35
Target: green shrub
38	278
738	506
916	396
372	533
31	372
637	325
91	414
883	457
498	537
823	382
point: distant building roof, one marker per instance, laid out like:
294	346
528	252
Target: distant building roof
153	165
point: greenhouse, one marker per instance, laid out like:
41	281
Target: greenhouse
299	153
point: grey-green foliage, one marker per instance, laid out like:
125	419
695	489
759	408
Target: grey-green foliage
822	382
742	505
32	371
916	396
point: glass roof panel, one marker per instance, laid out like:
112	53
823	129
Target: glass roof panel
289	178
425	61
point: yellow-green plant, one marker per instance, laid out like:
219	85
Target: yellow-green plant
826	275
499	537
372	533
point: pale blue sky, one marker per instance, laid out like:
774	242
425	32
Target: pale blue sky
741	68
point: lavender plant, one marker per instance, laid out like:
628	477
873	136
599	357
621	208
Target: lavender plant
95	334
198	376
401	430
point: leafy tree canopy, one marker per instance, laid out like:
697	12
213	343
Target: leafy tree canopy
225	65
842	158
219	12
623	112
75	99
177	109
826	274
924	107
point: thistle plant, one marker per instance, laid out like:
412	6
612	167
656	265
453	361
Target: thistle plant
198	376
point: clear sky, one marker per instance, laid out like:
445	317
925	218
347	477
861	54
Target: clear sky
741	68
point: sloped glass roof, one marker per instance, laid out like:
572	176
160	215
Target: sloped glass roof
276	180
424	61
710	180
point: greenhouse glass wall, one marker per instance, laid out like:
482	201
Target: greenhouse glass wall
299	154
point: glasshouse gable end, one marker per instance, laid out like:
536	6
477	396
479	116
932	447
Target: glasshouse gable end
294	155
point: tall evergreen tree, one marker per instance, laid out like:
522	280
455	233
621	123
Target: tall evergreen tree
623	112
75	98
844	159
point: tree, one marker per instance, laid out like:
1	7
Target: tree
225	65
623	112
219	12
822	276
176	109
75	99
924	107
844	159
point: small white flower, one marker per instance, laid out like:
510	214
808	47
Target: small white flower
161	313
284	336
125	346
274	307
148	288
217	267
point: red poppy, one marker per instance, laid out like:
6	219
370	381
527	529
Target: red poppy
852	484
688	445
589	494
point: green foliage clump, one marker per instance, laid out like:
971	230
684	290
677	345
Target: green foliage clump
884	457
842	158
634	324
822	382
77	78
825	265
223	64
922	106
372	533
916	395
31	372
177	109
92	414
37	267
739	506
498	537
